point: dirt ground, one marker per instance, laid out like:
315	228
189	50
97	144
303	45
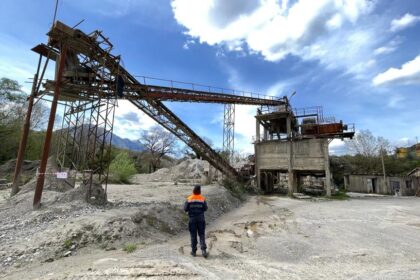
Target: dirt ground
266	237
66	226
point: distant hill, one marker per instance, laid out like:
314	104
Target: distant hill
125	143
117	141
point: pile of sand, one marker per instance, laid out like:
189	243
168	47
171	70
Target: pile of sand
27	172
187	171
51	181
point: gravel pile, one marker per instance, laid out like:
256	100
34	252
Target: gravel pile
190	170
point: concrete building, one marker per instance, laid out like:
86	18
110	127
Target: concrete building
293	142
299	158
415	177
380	185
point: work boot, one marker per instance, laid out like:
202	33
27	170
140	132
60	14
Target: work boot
193	253
204	253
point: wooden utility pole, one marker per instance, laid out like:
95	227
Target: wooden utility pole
383	167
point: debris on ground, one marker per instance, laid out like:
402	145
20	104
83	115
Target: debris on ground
313	185
301	196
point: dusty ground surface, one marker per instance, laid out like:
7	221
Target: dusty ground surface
66	226
265	238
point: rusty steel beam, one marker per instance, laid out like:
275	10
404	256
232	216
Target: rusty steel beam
25	132
92	45
162	115
23	139
152	92
48	134
22	145
88	46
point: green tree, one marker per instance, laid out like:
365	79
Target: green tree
121	168
13	107
366	144
11	112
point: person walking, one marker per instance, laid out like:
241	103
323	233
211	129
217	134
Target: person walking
196	205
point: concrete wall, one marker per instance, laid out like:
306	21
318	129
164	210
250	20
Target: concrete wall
376	184
416	183
274	155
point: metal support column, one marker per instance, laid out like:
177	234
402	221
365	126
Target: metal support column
23	140
48	135
327	169
229	130
25	132
291	177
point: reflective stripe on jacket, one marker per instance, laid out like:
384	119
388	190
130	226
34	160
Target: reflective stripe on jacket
195	205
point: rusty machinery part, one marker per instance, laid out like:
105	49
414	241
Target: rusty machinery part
88	46
306	123
89	79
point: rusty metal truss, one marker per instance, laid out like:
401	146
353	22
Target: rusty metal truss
89	81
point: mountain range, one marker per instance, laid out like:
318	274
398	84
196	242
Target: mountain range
117	141
125	143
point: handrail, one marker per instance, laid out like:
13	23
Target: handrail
202	87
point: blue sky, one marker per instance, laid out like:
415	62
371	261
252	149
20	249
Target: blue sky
359	59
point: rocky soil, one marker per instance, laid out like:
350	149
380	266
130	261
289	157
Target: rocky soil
269	237
141	213
265	237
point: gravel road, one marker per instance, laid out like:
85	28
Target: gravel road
270	237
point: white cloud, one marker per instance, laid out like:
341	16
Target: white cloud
275	30
18	62
337	147
279	89
388	48
395	101
384	50
244	127
404	22
130	127
187	44
405	142
409	73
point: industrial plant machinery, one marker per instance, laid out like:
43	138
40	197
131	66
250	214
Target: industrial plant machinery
89	80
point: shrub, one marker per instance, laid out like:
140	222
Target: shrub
235	188
67	243
340	195
129	247
121	168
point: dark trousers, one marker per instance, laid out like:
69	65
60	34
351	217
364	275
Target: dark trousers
197	226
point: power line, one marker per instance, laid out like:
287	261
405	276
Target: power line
55	12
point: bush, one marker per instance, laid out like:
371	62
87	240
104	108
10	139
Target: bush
235	188
340	195
129	247
67	244
121	168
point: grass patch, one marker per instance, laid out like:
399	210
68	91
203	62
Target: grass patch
129	247
67	243
340	195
